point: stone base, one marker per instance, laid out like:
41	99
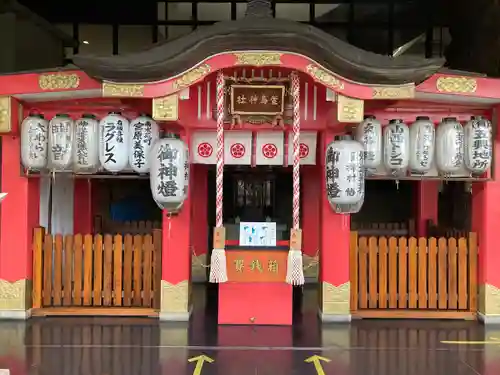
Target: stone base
334	318
15	314
488	319
175	316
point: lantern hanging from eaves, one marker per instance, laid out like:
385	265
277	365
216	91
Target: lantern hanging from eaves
169	173
34	142
478	145
86	145
422	143
449	146
369	134
113	142
396	147
345	175
60	143
143	134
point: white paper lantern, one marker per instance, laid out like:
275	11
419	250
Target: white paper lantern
86	147
449	146
422	142
186	173
396	147
344	172
60	143
113	142
369	134
34	142
167	174
143	134
478	145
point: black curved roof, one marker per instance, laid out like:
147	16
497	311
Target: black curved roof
258	31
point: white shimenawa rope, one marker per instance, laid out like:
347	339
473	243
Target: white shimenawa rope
295	271
218	266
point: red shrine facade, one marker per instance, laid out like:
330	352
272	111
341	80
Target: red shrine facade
179	87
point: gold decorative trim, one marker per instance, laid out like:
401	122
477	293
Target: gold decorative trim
489	299
258	58
15	295
404	92
350	109
122	90
335	299
58	81
166	108
175	298
325	77
5	114
192	76
456	84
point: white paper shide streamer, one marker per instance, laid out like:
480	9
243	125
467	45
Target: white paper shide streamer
60	143
422	142
113	142
449	146
86	145
167	174
143	134
396	147
345	175
34	142
369	134
478	145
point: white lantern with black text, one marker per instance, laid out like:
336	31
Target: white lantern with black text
60	142
422	140
369	134
143	134
168	173
344	172
113	142
478	145
34	142
396	147
449	146
86	147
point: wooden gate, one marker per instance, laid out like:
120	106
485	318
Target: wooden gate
414	277
96	275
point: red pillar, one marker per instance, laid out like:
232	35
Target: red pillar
82	213
20	212
427	205
310	221
199	233
486	223
334	256
176	262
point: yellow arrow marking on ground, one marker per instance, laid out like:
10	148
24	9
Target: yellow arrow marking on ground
200	360
316	360
490	341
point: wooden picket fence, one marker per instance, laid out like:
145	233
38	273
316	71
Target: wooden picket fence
86	274
414	277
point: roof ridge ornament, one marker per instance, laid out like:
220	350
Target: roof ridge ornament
259	8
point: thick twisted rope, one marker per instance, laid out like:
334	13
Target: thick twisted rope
295	272
218	266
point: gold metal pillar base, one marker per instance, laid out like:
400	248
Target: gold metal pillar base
175	301
15	296
334	300
489	300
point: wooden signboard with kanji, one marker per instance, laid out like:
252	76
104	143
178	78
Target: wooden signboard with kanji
256	266
257	100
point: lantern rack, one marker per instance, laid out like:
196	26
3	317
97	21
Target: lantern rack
100	175
429	178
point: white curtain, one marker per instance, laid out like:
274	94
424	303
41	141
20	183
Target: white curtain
63	189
